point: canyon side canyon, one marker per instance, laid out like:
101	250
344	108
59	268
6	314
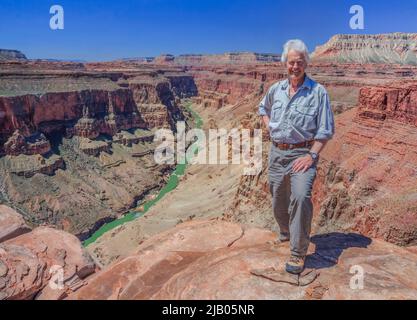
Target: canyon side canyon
77	152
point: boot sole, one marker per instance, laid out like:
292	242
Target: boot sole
293	270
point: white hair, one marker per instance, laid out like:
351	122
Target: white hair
296	45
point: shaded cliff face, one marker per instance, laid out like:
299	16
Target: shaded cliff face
391	48
64	112
76	147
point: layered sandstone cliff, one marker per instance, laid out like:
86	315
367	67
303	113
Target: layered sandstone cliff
390	48
368	174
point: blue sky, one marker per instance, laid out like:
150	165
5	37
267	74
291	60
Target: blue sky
106	30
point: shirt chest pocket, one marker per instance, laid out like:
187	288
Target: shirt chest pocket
304	116
276	111
305	109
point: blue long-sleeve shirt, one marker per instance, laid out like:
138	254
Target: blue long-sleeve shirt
306	116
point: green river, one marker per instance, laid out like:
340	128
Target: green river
171	185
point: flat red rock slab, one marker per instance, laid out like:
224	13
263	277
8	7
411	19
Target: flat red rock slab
280	275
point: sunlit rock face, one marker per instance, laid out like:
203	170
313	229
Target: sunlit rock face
400	48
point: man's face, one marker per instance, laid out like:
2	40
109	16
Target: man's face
296	65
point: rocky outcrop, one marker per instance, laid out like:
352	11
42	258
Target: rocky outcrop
397	102
12	223
221	260
28	166
390	48
42	264
6	55
28	144
126	138
94	148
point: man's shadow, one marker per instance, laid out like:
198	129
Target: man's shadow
330	246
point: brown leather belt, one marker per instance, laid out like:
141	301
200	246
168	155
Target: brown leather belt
286	146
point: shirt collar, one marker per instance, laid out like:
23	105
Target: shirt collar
306	84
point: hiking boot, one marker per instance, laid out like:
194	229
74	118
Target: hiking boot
295	265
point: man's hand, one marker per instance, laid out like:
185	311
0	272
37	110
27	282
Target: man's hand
265	119
302	164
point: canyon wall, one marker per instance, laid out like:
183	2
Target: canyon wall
367	179
76	147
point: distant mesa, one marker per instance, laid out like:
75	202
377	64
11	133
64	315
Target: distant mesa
208	59
6	54
138	59
215	59
164	58
61	60
397	48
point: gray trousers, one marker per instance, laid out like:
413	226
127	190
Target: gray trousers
291	197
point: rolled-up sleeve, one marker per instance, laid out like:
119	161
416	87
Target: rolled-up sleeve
266	104
325	118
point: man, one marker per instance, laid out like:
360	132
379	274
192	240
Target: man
300	120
